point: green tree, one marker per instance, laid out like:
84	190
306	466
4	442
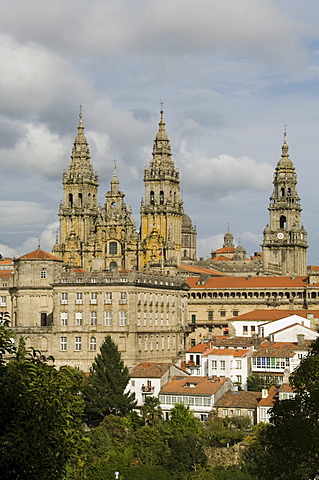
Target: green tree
40	422
150	447
104	393
256	382
185	440
222	432
289	420
151	410
6	335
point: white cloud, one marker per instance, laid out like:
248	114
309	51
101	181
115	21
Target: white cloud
215	176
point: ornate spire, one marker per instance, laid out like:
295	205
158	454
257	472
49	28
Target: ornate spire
114	182
161	146
285	160
80	148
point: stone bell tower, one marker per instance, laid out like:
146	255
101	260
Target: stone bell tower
162	208
285	239
79	209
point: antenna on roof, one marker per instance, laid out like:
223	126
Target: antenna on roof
39	245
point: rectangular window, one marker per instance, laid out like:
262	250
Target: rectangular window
93	280
63	344
235	313
214	364
123	298
64	319
64	298
108	297
238	364
3	301
193	318
245	329
78	319
79	298
238	378
108	318
79	280
206	402
198	401
78	344
210	314
123	315
93	318
93	298
238	412
222	364
223	313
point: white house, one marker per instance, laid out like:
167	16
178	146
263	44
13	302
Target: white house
269	397
254	322
228	362
199	393
148	379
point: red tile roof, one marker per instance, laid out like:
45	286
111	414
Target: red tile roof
194	385
39	254
200	270
225	250
153	370
6	273
248	282
271	398
239	399
199	348
227	351
270	315
221	258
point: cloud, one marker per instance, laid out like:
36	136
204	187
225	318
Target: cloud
180	27
46	239
216	176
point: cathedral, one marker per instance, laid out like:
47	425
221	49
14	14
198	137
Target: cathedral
144	285
106	238
95	238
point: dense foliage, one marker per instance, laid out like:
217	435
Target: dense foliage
40	422
293	433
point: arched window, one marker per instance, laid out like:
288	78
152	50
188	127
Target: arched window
152	200
113	248
70	200
43	273
161	197
92	345
283	222
185	253
80	199
282	192
113	266
44	319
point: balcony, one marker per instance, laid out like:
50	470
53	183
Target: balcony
147	390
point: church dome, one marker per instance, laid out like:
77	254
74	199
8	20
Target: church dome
186	221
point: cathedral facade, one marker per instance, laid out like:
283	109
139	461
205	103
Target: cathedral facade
95	238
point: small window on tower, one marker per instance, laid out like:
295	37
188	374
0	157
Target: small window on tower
282	192
161	197
152	198
80	199
70	200
283	222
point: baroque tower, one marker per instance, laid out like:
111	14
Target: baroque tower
162	208
285	240
79	209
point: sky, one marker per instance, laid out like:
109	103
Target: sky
230	74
